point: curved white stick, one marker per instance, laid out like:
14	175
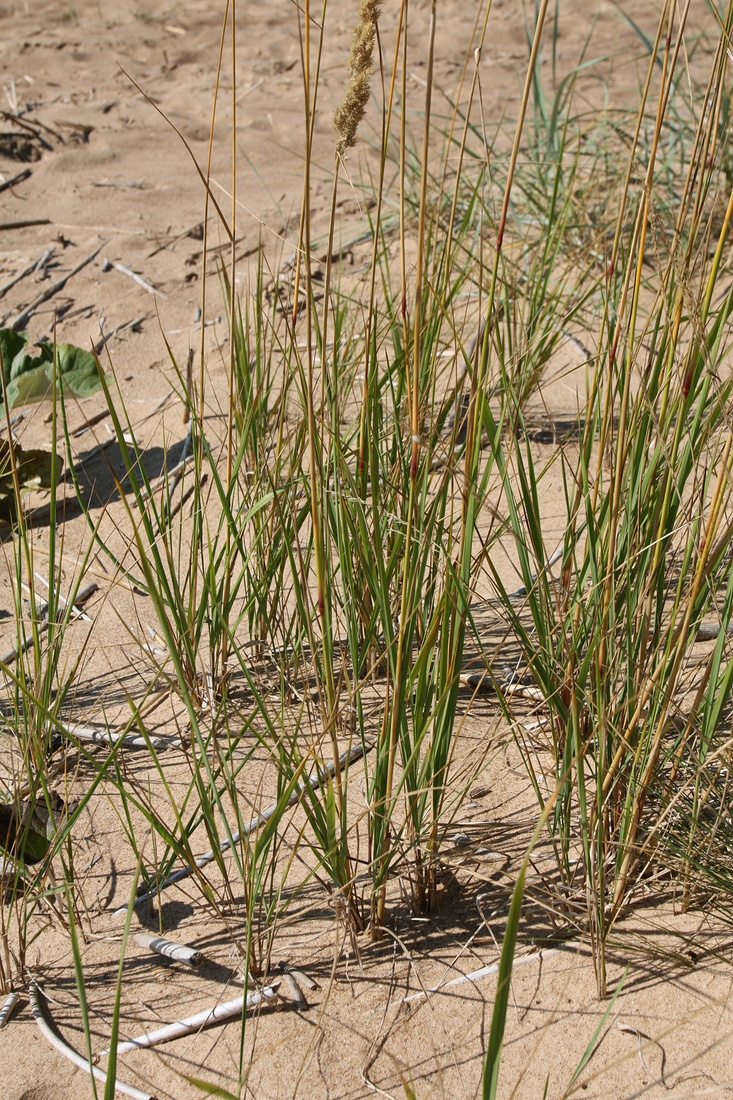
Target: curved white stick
195	1023
68	1052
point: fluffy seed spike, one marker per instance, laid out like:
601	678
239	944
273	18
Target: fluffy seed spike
347	117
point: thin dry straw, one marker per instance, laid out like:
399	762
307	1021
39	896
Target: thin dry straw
170	949
314	780
68	1052
225	1011
483	972
28	642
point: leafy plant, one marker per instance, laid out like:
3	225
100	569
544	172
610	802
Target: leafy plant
28	378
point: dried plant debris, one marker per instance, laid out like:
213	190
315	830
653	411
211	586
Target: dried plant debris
33	469
22	147
26	830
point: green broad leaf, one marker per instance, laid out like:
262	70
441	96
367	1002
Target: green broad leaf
77	368
29	387
12	345
29	377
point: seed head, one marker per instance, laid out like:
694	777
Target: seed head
349	114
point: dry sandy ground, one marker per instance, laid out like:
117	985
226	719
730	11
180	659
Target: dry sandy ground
109	176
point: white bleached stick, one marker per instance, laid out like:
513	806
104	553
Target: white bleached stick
112	737
170	949
125	270
68	1052
81	597
194	1023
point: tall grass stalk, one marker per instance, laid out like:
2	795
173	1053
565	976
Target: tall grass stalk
644	550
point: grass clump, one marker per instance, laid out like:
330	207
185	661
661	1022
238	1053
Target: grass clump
369	483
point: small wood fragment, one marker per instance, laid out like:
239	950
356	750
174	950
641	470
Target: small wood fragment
483	681
21	176
156	409
708	632
26	644
291	993
196	232
36	265
186	497
107	336
9	1007
134	184
34	128
82	596
89	423
303	979
81	462
22	318
14	419
125	270
170	949
25	223
169	479
300	976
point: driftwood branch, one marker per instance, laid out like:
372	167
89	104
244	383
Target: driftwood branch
63	1047
170	949
213	1015
100	736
